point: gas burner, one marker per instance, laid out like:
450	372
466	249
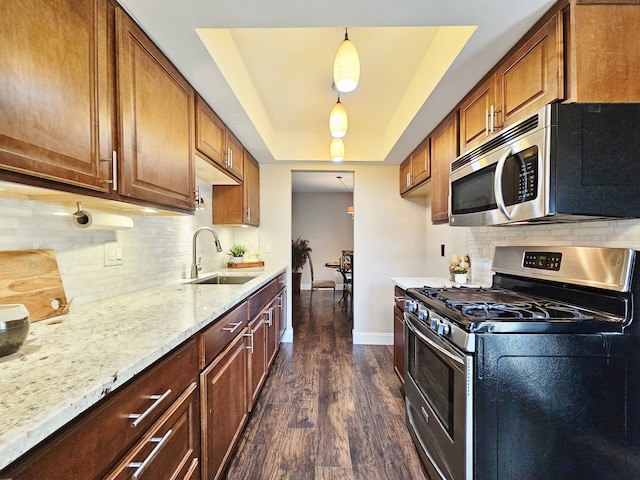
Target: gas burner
518	310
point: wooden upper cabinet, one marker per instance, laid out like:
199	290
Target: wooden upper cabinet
416	170
444	149
210	133
405	175
251	190
528	79
474	115
238	204
421	162
533	76
156	113
603	45
56	91
234	155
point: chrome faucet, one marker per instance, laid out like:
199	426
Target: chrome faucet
196	265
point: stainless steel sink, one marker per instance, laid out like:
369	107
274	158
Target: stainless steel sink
224	280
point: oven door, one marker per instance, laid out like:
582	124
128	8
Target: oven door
508	184
438	394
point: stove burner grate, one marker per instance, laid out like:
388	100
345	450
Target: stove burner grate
518	310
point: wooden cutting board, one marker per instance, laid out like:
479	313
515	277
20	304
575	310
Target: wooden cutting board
31	277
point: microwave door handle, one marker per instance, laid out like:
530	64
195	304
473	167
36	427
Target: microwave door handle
497	183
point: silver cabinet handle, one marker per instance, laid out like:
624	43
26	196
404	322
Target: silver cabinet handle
139	417
140	466
250	347
249	214
398	299
270	316
115	170
232	329
491	119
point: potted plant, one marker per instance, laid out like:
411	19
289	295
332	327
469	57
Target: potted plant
460	275
299	254
460	268
237	252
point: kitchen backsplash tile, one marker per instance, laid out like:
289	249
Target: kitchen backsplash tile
155	251
609	233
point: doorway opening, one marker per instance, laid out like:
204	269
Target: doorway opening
322	211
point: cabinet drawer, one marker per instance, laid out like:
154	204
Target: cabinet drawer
89	447
398	297
261	298
171	448
219	335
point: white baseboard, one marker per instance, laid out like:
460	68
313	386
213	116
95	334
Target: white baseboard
364	338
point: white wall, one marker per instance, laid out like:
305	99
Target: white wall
322	219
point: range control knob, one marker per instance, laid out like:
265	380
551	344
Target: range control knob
423	313
433	323
410	305
444	328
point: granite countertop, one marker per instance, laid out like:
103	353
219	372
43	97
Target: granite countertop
70	362
437	282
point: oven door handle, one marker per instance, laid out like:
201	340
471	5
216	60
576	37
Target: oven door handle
428	341
497	183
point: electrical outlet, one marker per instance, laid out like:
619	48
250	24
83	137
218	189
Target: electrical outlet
112	254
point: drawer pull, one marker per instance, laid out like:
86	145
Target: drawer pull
232	329
140	466
250	347
398	299
139	417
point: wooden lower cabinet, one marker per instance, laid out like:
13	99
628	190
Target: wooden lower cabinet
225	406
115	429
398	333
171	449
257	349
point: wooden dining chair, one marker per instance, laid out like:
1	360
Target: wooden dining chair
316	285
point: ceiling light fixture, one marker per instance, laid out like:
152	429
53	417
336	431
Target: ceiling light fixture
338	120
337	149
346	66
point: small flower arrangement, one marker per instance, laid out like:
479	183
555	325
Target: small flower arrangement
459	265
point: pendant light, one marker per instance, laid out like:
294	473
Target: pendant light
337	149
338	120
346	66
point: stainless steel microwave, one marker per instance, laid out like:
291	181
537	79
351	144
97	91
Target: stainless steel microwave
566	163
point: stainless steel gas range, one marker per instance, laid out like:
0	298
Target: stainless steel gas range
536	377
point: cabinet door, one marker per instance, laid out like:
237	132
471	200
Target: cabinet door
273	331
405	175
444	149
421	162
257	356
56	91
171	448
210	133
251	190
234	155
474	115
156	113
224	406
534	75
282	305
398	342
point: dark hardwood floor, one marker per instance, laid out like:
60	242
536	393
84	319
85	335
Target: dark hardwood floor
329	409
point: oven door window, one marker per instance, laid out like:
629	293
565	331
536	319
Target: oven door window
435	378
475	192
